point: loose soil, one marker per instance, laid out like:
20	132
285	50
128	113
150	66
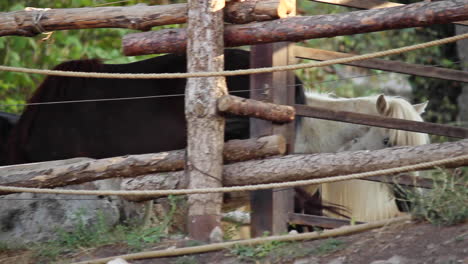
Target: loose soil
403	243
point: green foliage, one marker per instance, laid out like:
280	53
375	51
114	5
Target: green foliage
444	204
82	236
16	88
101	233
256	252
328	246
279	252
185	260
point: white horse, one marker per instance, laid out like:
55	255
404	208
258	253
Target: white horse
364	200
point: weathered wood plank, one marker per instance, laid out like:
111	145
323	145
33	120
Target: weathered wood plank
380	121
320	221
385	65
270	208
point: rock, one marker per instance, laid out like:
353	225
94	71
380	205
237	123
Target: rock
340	260
392	260
118	261
27	217
308	260
216	235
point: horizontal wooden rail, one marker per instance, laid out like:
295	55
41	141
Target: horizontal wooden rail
380	121
321	221
368	4
385	65
67	172
33	21
254	108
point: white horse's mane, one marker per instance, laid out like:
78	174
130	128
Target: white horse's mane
396	107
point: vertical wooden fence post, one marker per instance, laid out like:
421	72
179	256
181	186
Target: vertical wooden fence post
270	208
205	128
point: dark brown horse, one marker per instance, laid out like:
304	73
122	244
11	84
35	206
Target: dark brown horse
111	128
101	129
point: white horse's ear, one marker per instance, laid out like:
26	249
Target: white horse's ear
420	108
381	104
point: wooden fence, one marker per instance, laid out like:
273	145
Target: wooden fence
272	208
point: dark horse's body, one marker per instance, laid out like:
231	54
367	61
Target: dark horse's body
7	122
112	128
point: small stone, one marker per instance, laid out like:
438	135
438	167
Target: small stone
339	260
431	246
293	232
393	260
308	260
118	261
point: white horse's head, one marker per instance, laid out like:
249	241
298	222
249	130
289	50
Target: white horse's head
378	138
315	135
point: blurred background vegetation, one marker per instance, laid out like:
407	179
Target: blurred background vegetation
105	44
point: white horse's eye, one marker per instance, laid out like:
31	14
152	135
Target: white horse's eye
386	141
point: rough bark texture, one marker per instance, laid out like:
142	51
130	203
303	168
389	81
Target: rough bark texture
386	65
242	12
33	21
205	128
255	148
308	27
369	4
61	173
309	166
364	4
254	108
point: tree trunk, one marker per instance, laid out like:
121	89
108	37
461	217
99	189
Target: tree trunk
33	21
205	128
307	27
75	171
309	166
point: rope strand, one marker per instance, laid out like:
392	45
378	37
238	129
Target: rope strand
414	167
236	72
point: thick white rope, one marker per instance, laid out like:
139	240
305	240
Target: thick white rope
236	72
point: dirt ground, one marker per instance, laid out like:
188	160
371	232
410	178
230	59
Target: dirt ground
403	243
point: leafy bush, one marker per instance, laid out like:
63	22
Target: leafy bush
444	204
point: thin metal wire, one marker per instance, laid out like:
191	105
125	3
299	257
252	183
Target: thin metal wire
113	99
176	95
